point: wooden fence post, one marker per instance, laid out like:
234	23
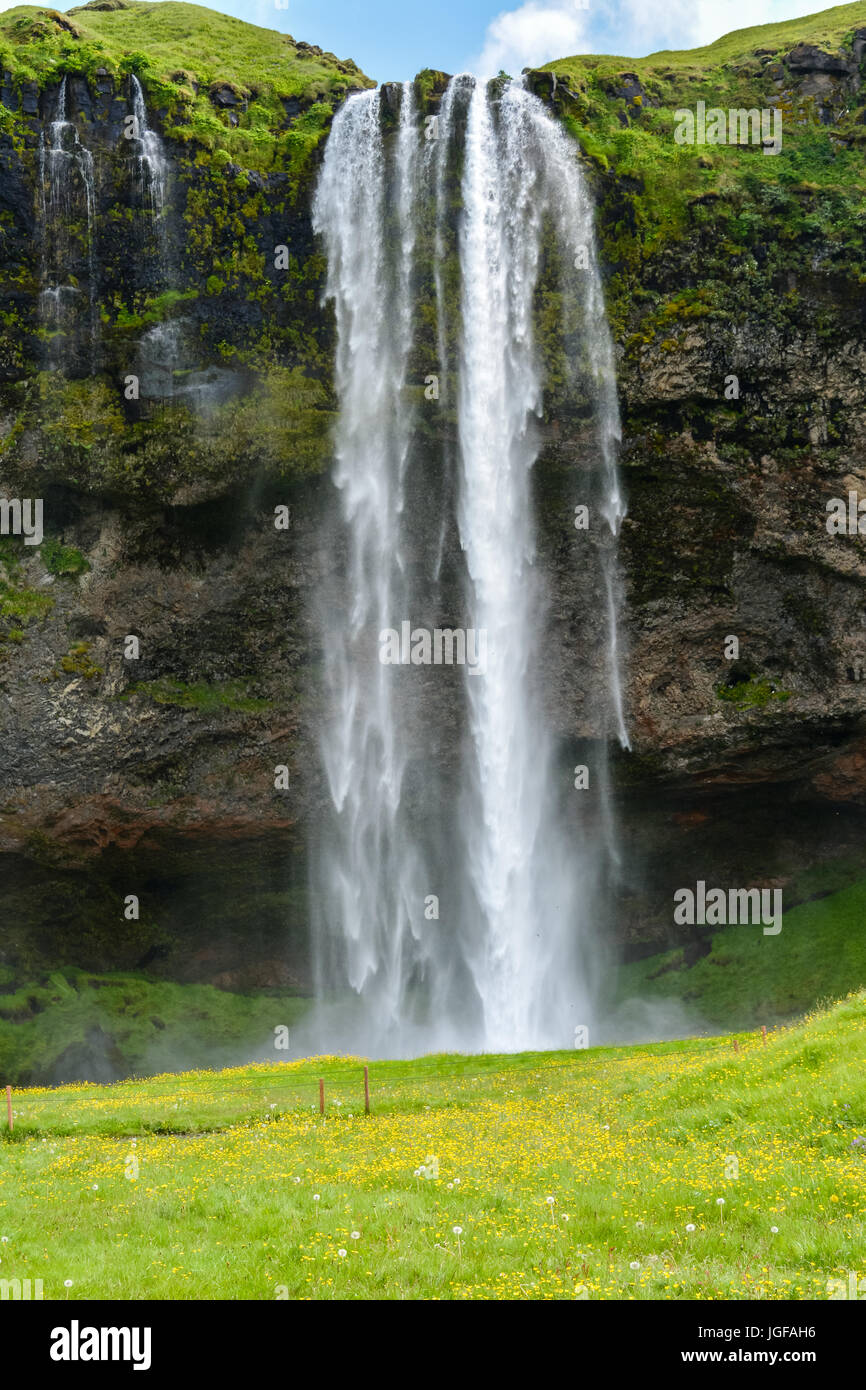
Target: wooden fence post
9	1106
366	1091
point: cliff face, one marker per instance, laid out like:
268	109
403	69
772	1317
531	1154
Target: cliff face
736	286
738	292
166	395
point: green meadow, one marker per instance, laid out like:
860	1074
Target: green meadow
678	1170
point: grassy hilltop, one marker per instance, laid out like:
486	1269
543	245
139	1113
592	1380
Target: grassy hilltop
219	81
679	1170
661	194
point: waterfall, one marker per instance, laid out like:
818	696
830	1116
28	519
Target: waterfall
513	969
66	188
569	204
499	391
151	165
371	873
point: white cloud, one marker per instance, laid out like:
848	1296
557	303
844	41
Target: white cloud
641	28
541	30
533	34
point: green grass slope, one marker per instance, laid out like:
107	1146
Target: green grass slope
766	208
184	55
76	1023
748	978
679	1170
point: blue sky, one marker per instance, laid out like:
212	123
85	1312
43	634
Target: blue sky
393	39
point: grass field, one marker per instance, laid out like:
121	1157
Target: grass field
589	1174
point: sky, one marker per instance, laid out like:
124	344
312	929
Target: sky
391	40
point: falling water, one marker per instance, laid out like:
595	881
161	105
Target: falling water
568	202
151	165
526	885
499	391
364	209
66	184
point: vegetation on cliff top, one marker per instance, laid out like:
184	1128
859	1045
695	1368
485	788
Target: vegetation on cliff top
656	191
218	80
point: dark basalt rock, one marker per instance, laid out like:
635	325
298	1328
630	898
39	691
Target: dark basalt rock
392	93
225	96
30	98
541	84
807	58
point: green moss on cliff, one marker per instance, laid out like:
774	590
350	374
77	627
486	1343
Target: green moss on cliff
204	697
217	80
756	692
77	662
19	604
280	425
62	560
750	212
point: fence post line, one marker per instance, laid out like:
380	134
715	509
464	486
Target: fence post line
321	1096
764	1033
9	1106
366	1091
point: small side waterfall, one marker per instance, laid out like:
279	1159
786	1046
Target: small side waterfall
151	165
67	196
513	969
